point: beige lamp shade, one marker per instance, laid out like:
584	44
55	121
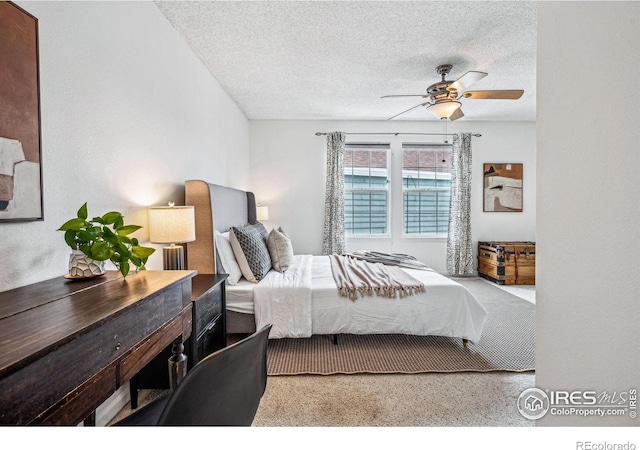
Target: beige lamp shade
444	110
262	213
172	224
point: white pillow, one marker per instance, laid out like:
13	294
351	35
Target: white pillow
227	258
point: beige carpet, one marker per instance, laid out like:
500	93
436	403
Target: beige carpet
507	344
464	399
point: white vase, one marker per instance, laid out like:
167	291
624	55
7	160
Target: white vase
82	266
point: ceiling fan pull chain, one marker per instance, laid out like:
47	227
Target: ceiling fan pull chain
444	130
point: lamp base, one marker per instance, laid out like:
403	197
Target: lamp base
173	257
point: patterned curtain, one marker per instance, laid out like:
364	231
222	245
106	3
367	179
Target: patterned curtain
459	249
333	238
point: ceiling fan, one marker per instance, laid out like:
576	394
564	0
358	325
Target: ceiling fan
443	97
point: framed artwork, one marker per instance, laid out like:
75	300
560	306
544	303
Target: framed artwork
20	149
502	187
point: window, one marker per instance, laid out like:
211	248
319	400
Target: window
366	195
426	188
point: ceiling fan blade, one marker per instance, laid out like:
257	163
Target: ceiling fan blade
456	114
414	107
467	80
498	95
406	95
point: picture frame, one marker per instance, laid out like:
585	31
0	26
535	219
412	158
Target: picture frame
502	188
21	196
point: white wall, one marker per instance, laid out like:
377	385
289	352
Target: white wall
128	114
588	307
288	175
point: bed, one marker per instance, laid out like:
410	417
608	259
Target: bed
304	299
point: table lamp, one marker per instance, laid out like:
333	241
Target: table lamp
262	213
172	225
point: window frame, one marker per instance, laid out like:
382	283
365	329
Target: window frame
418	145
387	189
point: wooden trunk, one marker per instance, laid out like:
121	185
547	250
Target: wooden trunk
507	262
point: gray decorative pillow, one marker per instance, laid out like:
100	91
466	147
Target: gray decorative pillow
251	252
260	227
280	249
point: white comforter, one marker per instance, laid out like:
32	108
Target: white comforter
284	300
304	300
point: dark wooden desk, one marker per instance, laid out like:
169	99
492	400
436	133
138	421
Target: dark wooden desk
66	346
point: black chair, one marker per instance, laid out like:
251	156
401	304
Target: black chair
223	389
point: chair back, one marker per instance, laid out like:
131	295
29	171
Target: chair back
224	389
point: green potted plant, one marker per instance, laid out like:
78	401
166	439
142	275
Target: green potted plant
100	239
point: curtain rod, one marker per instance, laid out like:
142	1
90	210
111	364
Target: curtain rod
396	134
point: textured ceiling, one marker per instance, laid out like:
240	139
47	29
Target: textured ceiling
334	60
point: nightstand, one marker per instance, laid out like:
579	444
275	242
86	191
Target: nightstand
209	333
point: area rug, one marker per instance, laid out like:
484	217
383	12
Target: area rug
506	344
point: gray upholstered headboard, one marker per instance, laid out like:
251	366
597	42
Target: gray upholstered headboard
216	208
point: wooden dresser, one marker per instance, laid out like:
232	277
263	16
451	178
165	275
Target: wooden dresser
66	346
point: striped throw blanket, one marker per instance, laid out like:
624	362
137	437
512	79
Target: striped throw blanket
390	259
356	277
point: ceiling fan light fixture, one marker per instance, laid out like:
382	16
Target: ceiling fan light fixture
444	110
